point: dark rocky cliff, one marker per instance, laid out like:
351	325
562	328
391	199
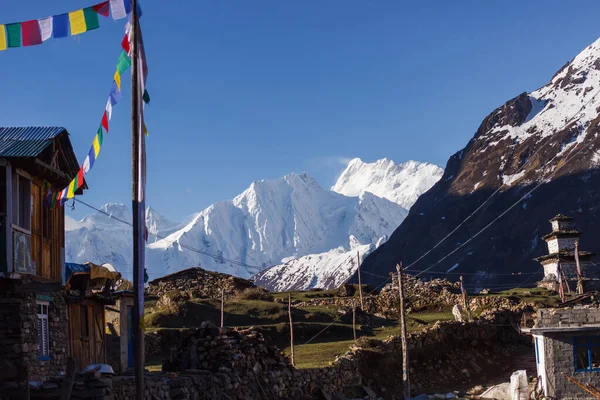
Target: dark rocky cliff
546	141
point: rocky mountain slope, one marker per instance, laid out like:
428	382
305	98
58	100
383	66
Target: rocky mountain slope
540	147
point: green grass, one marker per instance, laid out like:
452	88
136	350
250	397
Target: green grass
318	355
305	296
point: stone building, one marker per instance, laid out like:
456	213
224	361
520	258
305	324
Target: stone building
33	310
564	255
567	340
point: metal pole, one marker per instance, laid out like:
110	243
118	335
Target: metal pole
405	377
138	339
359	282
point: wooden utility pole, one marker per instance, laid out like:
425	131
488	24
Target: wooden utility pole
354	319
291	328
465	299
561	290
579	273
359	281
405	377
137	209
222	306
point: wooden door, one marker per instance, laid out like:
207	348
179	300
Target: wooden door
99	346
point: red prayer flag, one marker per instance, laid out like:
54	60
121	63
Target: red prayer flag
105	121
30	32
102	8
80	178
125	44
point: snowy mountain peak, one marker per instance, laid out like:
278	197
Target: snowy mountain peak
117	210
400	183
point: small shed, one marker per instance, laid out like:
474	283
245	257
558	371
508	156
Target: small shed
88	292
567	341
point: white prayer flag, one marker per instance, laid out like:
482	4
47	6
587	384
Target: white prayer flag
117	8
108	109
45	28
86	164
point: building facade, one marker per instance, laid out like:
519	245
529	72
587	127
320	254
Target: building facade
33	302
567	341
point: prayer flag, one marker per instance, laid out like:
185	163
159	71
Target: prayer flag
105	121
71	189
77	20
86	164
96	146
123	63
102	8
14	34
45	28
117	8
79	178
30	31
117	79
127	6
115	94
60	26
108	109
100	135
125	44
91	18
2	38
146	97
91	158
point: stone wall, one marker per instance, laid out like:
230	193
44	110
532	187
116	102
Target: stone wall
226	363
19	337
199	283
563	317
559	357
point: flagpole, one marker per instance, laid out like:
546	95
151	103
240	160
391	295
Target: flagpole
138	278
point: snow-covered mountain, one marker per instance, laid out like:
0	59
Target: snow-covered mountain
292	223
100	238
400	183
273	220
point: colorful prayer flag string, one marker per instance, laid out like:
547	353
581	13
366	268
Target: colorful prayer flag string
58	198
37	31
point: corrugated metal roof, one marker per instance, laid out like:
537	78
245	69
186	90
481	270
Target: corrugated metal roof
26	141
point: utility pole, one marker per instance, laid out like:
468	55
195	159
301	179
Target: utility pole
136	158
354	319
291	328
359	281
465	299
405	377
561	289
222	306
579	273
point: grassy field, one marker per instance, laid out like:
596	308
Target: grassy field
320	333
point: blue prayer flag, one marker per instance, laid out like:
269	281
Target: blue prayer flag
60	25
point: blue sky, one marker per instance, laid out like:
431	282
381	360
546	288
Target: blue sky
246	90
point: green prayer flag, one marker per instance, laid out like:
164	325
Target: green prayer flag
124	62
145	276
100	136
14	34
146	97
91	19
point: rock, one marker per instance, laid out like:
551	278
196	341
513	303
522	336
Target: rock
476	390
498	392
369	392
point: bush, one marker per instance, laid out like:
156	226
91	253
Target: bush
256	294
368	343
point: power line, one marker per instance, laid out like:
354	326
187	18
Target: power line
216	257
503	184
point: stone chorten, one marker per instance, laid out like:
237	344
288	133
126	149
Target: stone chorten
561	255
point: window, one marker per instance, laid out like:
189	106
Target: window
43	329
587	353
47	214
22	203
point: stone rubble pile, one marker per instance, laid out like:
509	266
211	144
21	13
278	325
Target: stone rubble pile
199	283
239	364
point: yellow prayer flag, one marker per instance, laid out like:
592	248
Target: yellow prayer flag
117	79
96	145
71	191
145	129
2	38
77	20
